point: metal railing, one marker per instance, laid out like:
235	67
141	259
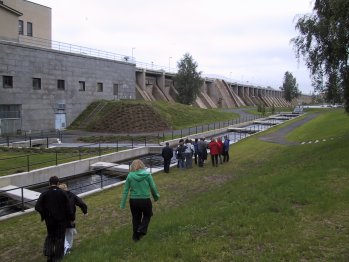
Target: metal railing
56	156
81	50
104	181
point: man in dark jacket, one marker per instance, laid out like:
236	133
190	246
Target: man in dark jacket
74	201
53	206
167	154
180	154
202	151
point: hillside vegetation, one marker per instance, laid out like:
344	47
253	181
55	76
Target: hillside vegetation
142	116
271	202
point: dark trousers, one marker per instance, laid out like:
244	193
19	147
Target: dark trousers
220	156
226	156
201	159
142	211
54	242
167	163
214	159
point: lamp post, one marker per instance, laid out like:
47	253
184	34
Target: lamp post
133	48
169	63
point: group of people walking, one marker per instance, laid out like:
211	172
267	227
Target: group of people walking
219	150
57	205
184	154
187	150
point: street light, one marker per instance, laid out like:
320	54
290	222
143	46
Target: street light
133	48
169	63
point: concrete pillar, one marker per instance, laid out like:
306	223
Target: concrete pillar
140	78
210	89
236	89
247	91
160	80
239	91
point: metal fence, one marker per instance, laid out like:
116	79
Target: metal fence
76	49
56	156
8	205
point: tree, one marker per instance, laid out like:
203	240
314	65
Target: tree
290	87
323	42
187	81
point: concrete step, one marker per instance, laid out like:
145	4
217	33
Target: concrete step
14	192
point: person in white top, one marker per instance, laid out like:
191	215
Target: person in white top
188	153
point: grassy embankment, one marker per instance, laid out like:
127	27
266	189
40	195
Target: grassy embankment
177	115
268	111
269	203
276	203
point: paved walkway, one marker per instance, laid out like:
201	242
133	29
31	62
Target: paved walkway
279	136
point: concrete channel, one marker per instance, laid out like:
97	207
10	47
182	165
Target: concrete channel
101	172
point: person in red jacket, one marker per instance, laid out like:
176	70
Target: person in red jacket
214	151
220	153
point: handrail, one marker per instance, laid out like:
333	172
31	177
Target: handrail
81	50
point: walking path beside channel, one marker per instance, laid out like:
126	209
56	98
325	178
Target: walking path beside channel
279	136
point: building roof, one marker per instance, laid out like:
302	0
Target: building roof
37	4
9	9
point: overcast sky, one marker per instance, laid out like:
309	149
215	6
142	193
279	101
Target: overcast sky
245	40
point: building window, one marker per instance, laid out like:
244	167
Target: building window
116	90
7	81
20	27
29	29
81	85
60	84
99	87
36	83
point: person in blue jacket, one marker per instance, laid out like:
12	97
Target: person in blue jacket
226	149
140	184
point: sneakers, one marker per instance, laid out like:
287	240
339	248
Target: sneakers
67	251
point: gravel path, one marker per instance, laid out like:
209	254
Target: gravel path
279	136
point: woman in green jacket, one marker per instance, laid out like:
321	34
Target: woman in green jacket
140	183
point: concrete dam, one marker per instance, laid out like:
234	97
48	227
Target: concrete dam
152	85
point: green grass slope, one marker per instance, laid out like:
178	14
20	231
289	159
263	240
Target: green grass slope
143	116
271	202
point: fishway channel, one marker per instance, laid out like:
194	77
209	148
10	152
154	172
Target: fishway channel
104	177
95	180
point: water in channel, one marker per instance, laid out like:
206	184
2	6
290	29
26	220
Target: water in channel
97	179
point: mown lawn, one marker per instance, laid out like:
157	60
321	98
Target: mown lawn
16	160
269	203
